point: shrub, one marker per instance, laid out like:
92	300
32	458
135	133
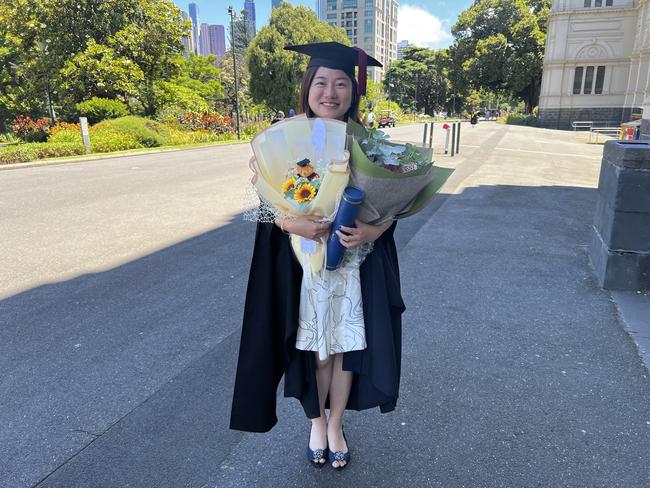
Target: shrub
212	122
147	132
59	126
519	119
252	128
9	139
23	153
179	137
64	132
29	130
98	109
109	140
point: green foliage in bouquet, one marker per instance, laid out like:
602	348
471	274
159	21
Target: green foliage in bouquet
398	158
392	191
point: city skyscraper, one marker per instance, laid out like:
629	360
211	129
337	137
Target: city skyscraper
196	26
249	9
217	34
369	24
204	48
320	10
188	42
401	45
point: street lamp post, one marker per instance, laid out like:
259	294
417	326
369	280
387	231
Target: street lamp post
231	12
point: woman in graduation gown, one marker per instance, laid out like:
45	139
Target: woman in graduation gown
355	379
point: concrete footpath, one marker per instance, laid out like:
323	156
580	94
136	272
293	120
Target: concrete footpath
518	371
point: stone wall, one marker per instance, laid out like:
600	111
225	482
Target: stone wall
561	118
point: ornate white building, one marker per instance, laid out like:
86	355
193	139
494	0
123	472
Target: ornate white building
597	62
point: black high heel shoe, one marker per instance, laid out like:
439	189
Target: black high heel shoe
316	455
340	455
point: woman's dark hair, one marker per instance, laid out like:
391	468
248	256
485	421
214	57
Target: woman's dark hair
303	98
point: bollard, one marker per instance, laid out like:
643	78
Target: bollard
424	137
453	139
445	127
620	246
431	135
458	139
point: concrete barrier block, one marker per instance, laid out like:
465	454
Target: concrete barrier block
630	231
632	190
619	270
631	154
607	187
623	189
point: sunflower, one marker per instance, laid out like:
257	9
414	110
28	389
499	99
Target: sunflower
288	185
305	193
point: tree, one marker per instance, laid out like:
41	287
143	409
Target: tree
243	33
25	63
99	72
275	73
199	74
499	45
65	51
419	80
374	95
152	39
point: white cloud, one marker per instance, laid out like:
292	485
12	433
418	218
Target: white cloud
420	27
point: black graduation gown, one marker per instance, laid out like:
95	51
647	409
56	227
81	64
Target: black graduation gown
267	349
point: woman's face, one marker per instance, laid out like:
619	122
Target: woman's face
330	93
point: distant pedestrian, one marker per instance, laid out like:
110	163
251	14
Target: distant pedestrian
474	119
370	119
279	115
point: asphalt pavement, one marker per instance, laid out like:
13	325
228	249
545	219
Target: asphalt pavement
121	300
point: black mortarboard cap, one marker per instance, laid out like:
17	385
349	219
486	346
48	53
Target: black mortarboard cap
303	162
335	55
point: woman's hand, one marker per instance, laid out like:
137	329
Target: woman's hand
361	234
309	227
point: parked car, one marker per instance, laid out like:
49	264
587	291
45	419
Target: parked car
386	119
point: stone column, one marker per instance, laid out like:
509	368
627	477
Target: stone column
620	247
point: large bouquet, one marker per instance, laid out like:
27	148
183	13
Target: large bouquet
398	179
300	167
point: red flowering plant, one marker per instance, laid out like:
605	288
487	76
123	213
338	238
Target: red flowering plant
31	130
213	122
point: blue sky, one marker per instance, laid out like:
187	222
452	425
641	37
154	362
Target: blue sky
426	23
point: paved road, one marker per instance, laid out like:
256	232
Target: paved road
121	286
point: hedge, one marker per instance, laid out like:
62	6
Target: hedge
22	153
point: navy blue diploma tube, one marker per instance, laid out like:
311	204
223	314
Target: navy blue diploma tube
346	215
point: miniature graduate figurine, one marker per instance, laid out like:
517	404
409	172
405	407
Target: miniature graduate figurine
306	169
